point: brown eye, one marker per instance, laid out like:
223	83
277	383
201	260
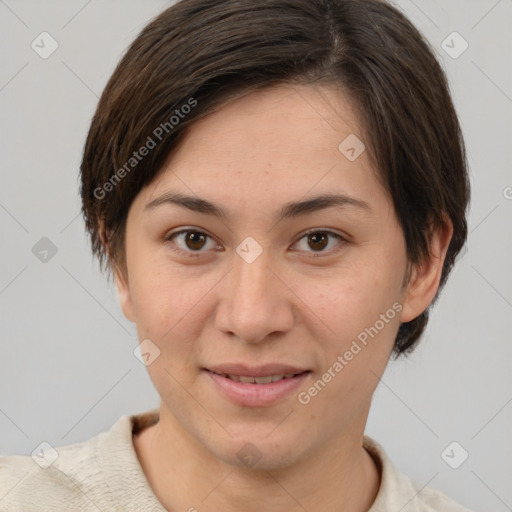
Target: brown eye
191	241
195	240
318	241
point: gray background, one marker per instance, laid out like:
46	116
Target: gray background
67	369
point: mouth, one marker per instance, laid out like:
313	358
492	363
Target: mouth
267	379
257	386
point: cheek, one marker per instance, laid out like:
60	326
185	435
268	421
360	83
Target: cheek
162	292
349	300
364	321
167	304
170	312
361	309
170	305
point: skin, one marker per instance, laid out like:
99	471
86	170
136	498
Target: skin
211	306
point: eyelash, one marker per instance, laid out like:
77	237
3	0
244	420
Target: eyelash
320	254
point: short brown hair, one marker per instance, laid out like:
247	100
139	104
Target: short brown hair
204	53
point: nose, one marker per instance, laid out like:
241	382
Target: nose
254	301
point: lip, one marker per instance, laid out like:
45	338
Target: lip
248	394
255	371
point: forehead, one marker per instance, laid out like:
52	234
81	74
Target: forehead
277	123
280	143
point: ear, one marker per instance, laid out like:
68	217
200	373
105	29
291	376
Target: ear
425	276
120	277
123	292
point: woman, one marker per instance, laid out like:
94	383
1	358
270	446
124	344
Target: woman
279	189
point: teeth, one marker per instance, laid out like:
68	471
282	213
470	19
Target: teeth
264	380
258	380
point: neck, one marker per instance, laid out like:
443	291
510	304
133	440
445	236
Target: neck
340	475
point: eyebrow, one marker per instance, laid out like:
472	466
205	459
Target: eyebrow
291	209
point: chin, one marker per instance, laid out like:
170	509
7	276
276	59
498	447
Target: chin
259	448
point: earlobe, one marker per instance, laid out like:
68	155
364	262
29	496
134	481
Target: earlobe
425	276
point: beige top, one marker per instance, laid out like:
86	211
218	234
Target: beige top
104	474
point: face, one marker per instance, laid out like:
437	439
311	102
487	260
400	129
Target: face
286	259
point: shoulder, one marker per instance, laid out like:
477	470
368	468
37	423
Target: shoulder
101	472
399	492
52	477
